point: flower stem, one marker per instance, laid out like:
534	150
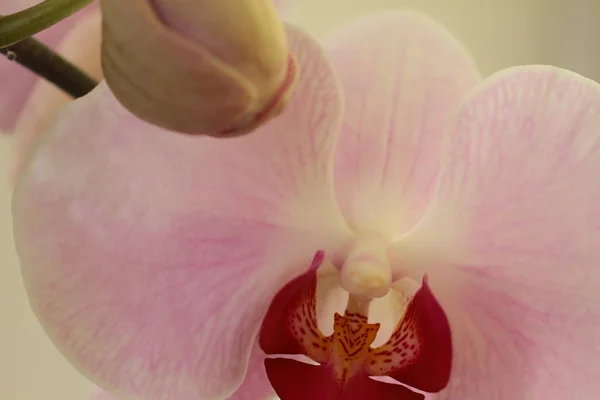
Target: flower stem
40	59
26	23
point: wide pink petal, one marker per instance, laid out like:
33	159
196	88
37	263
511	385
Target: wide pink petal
256	385
151	257
512	239
17	81
402	75
82	47
100	394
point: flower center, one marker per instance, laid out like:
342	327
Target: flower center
418	353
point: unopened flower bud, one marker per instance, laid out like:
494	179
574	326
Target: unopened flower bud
217	67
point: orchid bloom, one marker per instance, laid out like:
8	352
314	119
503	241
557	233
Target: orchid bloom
401	219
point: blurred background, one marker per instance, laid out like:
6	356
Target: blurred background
500	33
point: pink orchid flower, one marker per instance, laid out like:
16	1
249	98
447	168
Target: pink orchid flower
451	224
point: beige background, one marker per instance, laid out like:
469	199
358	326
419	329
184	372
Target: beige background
500	33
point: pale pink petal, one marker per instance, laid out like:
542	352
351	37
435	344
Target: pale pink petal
281	6
17	81
100	394
151	257
512	240
256	385
402	75
81	46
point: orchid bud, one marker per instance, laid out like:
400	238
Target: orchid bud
217	67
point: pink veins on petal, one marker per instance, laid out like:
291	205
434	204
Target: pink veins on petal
418	354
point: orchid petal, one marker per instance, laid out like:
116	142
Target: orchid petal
17	81
402	75
512	239
100	394
151	257
256	385
81	45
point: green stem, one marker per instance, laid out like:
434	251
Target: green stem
26	23
44	62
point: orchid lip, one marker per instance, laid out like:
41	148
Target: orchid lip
418	353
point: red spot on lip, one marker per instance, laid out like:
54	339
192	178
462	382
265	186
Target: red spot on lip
419	353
